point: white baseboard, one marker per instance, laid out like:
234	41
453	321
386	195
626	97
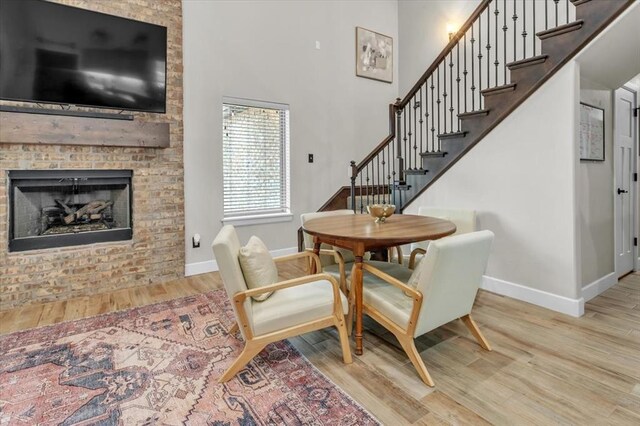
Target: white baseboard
284	251
599	286
565	305
198	268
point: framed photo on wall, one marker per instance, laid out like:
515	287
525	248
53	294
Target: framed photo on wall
374	55
591	133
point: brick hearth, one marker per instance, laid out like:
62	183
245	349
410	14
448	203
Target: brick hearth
156	253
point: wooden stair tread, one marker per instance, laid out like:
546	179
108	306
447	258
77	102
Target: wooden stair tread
452	135
433	154
561	29
534	60
499	89
419	171
579	2
472	114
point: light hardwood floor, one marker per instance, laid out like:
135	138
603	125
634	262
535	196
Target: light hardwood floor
545	368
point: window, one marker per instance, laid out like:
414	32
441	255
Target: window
255	145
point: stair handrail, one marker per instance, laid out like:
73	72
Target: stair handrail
401	103
447	49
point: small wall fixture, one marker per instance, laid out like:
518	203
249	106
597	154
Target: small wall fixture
451	30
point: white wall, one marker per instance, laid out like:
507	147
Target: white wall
521	180
595	195
422	31
266	51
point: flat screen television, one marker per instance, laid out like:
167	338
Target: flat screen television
52	53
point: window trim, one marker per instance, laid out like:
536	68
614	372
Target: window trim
261	217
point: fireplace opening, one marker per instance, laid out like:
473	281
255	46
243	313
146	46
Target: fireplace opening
59	208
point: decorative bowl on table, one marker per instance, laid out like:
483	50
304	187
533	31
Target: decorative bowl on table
381	211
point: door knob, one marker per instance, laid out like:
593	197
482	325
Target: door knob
621	191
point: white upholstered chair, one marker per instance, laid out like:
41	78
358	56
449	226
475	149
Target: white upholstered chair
465	221
447	282
296	306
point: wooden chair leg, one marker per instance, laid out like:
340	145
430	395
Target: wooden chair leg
349	317
250	350
473	328
409	347
234	328
344	340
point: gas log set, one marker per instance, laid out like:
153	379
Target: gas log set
65	217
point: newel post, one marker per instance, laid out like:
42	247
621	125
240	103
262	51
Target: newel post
354	173
399	140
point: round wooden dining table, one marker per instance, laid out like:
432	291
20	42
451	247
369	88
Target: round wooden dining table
359	233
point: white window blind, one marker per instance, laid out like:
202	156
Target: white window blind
255	144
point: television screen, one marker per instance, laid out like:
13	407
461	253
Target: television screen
53	53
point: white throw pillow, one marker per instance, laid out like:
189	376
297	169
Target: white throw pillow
257	266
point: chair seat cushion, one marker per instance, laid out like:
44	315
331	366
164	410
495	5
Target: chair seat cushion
294	306
390	301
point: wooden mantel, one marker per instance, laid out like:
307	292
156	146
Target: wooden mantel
20	128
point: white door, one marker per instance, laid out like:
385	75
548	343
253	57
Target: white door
624	190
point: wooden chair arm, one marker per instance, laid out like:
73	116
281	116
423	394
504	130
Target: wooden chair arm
337	255
398	250
415	294
240	296
391	280
308	254
412	258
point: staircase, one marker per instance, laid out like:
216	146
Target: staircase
502	54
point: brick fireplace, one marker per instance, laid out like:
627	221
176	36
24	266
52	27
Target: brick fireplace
60	208
154	252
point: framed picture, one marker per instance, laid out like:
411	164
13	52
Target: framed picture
374	55
591	133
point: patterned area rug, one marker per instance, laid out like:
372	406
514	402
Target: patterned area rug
159	365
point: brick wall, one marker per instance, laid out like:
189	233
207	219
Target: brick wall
156	252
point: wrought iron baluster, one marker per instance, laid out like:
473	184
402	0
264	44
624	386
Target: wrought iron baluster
496	61
488	47
444	94
458	79
378	189
515	32
533	38
556	2
366	186
401	156
546	14
504	39
398	148
389	161
433	114
416	105
473	80
392	160
524	29
360	194
421	121
479	62
407	148
465	72
438	102
451	87
566	2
